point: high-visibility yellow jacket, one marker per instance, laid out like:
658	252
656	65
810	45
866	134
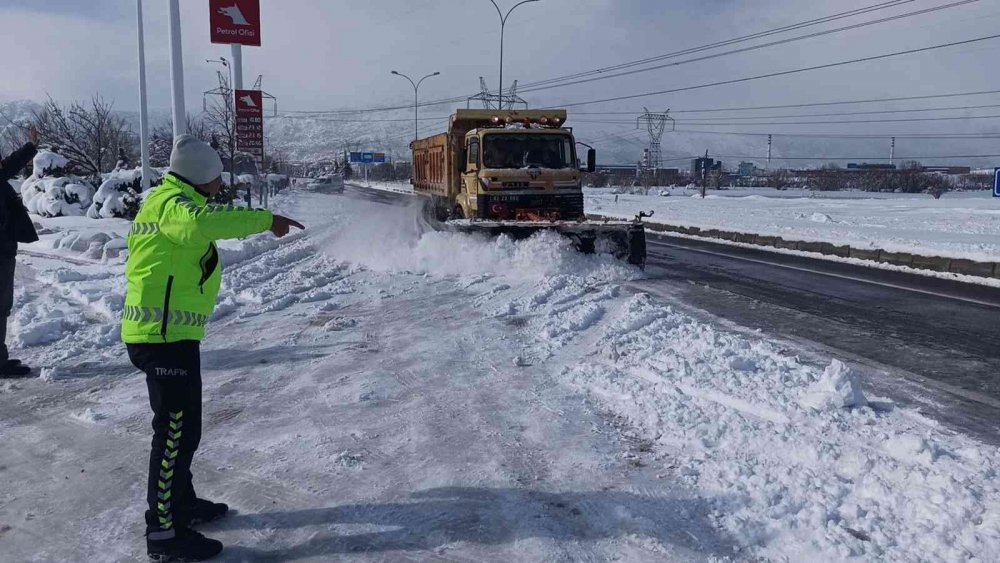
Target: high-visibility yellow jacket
173	270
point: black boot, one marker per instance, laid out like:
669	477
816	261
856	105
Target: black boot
202	511
186	545
11	369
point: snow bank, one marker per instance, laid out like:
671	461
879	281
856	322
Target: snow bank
796	464
838	388
959	225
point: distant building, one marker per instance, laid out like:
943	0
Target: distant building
951	170
748	170
867	166
700	165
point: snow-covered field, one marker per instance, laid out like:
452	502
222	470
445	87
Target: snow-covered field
375	391
959	225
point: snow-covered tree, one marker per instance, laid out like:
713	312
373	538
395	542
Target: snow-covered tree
90	136
51	192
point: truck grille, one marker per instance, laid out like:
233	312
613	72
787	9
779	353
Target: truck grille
515	206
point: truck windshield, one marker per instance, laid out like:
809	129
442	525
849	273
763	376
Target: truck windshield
528	151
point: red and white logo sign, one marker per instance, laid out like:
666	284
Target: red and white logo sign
235	21
250	122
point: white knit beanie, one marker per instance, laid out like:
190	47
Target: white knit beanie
194	160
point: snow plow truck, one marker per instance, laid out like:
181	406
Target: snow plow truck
515	172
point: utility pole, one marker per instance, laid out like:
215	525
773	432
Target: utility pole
143	108
769	139
177	70
503	24
892	150
416	101
704	175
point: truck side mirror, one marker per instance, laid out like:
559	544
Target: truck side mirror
591	160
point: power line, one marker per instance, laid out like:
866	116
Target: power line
758	35
784	72
528	88
339	120
839	122
859	11
881	157
806	105
928	136
839	114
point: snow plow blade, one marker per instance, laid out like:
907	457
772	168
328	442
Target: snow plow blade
625	240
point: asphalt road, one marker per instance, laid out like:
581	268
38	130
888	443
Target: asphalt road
939	336
922	340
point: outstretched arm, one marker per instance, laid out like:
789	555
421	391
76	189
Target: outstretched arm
184	222
13	164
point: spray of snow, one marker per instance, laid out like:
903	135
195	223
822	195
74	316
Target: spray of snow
398	239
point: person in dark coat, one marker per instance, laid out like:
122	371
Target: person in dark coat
15	227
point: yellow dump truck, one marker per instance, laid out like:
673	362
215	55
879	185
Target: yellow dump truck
515	172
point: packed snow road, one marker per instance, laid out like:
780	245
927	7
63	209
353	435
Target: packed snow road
375	391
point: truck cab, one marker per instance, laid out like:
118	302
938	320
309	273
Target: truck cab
503	165
522	174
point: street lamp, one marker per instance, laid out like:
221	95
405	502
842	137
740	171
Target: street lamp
416	87
225	63
503	24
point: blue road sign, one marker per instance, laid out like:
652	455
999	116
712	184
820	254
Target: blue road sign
355	157
367	157
379	158
996	182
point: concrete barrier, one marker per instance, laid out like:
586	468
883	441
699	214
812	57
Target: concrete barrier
831	249
865	254
896	258
933	263
972	268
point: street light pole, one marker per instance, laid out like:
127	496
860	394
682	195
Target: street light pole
503	24
416	103
176	70
143	111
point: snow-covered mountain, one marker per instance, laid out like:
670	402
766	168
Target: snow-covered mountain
318	137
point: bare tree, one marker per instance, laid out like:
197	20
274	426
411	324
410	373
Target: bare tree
220	120
13	134
779	179
90	136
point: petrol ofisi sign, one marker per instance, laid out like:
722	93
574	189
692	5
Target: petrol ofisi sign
250	122
235	22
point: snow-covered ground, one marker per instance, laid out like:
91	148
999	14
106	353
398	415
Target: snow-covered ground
959	225
375	391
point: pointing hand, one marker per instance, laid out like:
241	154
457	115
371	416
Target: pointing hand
281	225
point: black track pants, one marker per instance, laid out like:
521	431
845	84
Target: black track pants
7	265
173	376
